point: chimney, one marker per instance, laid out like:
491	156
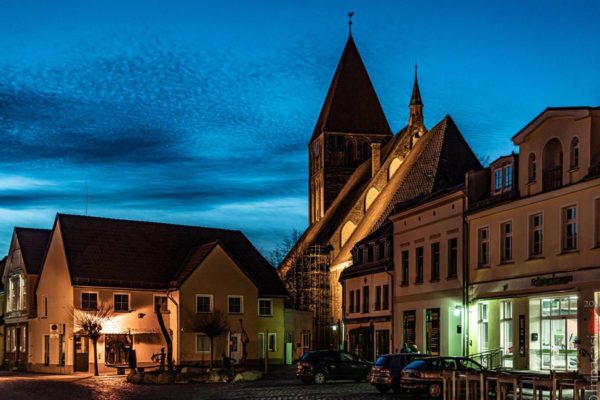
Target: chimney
375	158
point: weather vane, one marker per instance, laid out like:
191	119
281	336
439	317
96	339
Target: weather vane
350	15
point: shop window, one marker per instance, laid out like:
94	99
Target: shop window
435	261
483	247
569	219
405	267
452	257
419	260
506	333
558	339
506	244
536	235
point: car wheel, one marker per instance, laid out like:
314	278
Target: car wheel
319	378
434	390
383	388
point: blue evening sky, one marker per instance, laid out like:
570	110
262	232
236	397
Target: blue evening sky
200	112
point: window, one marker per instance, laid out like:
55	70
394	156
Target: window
452	257
435	261
532	168
506	245
508	176
357	298
419	264
306	340
536	235
569	228
506	334
89	301
235	304
483	246
381	250
45	307
359	256
597	223
483	327
351	302
204	303
498	180
23	293
265	307
575	153
161	303
272	342
377	298
405	270
369	253
386	297
121	302
202	343
365	308
23	342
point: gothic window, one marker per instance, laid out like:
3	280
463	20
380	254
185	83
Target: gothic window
394	165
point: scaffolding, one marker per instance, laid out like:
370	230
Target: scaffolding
312	292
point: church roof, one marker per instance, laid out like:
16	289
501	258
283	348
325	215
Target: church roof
114	252
351	104
33	244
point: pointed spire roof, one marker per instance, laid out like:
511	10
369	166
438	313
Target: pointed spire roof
351	104
415	99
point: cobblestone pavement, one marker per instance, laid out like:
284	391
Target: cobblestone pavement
279	386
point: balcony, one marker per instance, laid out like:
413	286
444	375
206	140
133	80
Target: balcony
552	178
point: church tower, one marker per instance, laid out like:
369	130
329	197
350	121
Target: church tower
351	120
416	122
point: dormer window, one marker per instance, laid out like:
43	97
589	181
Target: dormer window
575	153
508	176
532	168
498	180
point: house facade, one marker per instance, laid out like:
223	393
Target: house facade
534	236
2	300
428	273
21	272
144	270
367	292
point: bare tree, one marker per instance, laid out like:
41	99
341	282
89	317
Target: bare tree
91	323
277	255
166	334
212	325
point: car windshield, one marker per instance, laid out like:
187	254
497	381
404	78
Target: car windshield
383	361
469	365
417	364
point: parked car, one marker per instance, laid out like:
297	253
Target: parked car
385	374
323	365
426	374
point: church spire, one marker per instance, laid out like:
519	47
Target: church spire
415	120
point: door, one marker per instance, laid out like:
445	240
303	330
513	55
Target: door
82	356
383	342
19	344
432	331
46	350
235	346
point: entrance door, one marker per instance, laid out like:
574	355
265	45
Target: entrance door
432	331
559	333
82	355
19	344
46	350
235	346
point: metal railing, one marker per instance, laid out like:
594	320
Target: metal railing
491	359
552	178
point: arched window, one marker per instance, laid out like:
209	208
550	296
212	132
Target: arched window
370	197
552	164
394	165
575	153
347	231
532	168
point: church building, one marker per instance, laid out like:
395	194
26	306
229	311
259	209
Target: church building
358	171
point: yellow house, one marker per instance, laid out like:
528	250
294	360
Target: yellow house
140	267
534	246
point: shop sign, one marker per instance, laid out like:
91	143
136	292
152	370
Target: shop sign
522	335
555	280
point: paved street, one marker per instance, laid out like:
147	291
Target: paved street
281	385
